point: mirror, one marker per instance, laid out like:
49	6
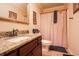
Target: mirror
14	12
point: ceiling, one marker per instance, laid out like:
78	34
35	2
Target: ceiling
49	5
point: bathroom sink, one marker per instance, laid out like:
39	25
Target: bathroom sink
17	39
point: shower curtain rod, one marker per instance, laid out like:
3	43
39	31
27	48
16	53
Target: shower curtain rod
52	11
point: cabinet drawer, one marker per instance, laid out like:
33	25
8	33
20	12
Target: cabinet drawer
26	49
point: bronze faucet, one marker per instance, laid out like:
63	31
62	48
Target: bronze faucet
15	32
12	33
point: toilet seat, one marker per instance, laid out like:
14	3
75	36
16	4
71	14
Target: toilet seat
46	42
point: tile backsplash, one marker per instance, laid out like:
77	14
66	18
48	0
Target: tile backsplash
7	33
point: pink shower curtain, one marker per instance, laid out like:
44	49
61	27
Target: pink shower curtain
45	25
64	31
56	33
60	38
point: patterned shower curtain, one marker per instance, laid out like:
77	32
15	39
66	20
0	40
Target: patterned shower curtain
60	33
56	33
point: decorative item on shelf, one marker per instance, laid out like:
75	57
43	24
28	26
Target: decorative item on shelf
12	15
35	31
34	18
75	7
27	31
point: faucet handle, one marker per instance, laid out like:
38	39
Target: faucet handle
8	34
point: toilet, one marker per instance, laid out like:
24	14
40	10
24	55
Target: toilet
45	44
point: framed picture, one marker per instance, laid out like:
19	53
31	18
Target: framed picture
12	15
75	7
34	18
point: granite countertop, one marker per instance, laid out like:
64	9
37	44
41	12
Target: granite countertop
7	46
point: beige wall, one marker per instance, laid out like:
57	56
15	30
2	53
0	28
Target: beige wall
73	31
34	7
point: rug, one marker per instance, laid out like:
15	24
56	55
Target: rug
57	48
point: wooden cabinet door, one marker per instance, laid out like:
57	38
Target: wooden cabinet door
39	40
26	49
12	53
37	51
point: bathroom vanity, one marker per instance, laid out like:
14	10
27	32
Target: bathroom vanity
30	47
